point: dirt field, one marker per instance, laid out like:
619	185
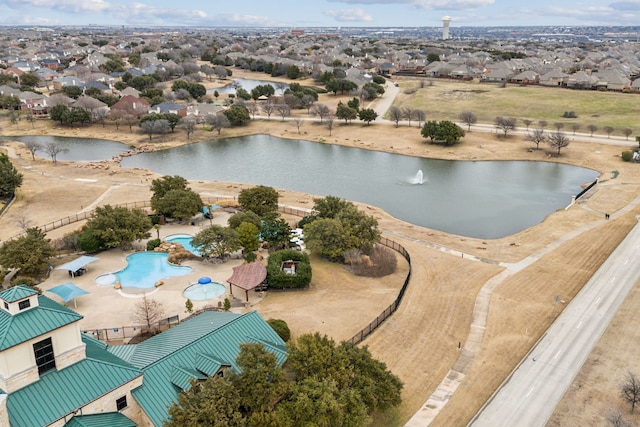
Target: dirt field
420	342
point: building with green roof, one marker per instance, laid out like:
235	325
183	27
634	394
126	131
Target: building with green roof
53	375
201	347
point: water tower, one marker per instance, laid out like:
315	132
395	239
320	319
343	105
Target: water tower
445	27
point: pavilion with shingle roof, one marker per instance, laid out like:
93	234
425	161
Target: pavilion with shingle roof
248	277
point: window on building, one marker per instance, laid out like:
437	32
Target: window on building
6	305
121	403
45	358
24	304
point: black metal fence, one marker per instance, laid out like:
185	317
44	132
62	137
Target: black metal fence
387	312
589	187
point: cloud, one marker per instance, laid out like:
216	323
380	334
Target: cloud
355	14
74	6
426	4
625	5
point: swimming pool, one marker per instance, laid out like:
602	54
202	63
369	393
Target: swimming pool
143	270
184	240
202	292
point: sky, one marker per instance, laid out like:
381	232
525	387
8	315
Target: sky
320	13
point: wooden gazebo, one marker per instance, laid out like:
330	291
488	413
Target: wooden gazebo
248	277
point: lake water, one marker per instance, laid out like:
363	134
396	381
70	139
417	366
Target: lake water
80	149
483	199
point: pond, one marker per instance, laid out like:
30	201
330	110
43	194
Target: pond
79	149
483	199
246	84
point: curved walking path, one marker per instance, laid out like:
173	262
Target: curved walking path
440	397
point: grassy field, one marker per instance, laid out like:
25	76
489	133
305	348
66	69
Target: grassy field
445	99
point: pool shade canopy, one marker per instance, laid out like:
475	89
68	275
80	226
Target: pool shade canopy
77	263
67	291
204	280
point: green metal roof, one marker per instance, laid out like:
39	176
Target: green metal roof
59	393
34	321
181	377
197	344
109	419
17	293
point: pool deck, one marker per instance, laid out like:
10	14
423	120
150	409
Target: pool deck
107	307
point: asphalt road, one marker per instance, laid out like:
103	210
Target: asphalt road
530	394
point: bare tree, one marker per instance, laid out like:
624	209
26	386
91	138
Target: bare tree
616	419
33	146
592	129
297	122
627	132
307	102
467	117
558	126
395	115
147	313
330	120
253	108
320	110
609	130
218	122
31	119
558	140
505	124
543	124
187	124
421	116
14	117
575	127
23	222
408	113
630	389
268	109
283	109
53	149
161	126
537	137
527	123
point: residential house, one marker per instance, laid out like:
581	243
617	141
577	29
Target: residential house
60	82
554	78
132	105
169	107
94	107
201	111
34	102
526	78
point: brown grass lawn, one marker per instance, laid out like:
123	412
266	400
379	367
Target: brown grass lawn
419	342
446	99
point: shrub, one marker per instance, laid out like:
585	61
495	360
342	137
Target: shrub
306	220
380	262
569	115
627	155
153	243
281	328
278	279
250	257
227	304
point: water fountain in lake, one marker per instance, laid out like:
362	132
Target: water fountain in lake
418	178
